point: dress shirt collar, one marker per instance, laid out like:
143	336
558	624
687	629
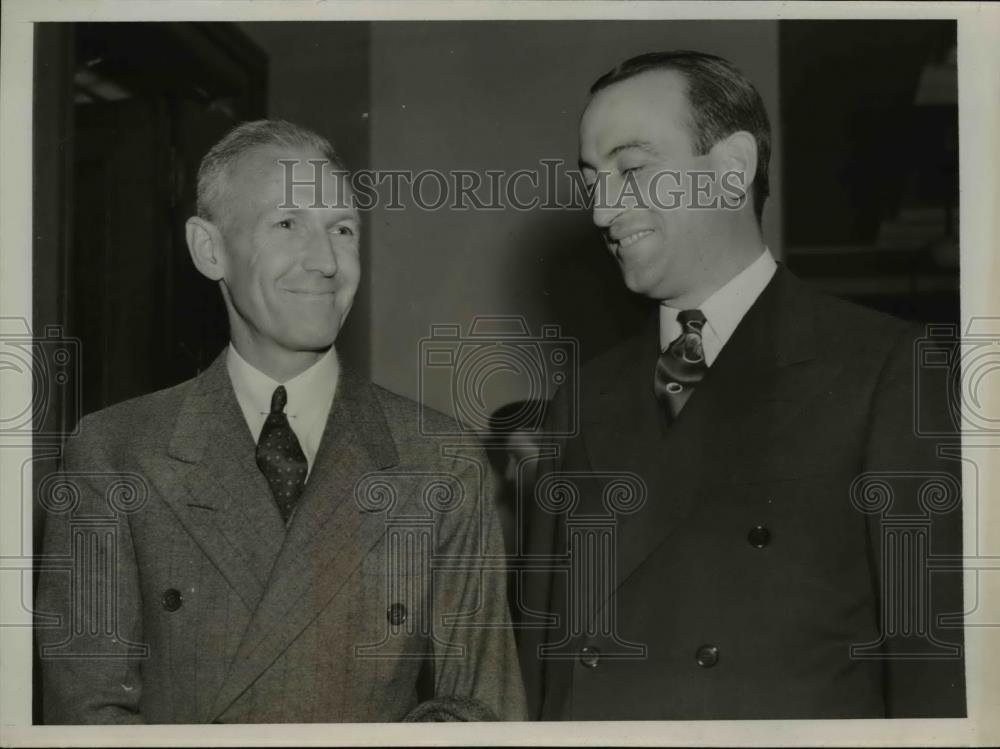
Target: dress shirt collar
725	308
306	390
310	396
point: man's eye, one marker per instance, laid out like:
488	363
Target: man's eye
344	231
285	223
631	169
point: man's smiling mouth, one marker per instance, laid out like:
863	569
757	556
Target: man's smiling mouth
617	245
632	238
311	292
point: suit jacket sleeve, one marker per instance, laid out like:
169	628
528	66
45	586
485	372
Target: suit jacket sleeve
487	669
86	675
915	686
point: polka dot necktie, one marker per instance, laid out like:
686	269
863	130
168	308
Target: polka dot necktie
682	365
280	457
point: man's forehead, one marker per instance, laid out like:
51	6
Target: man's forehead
272	163
644	109
272	174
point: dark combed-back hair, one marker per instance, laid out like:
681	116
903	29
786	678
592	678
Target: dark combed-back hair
221	157
722	101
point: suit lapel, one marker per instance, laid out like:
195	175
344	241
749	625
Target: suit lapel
759	382
625	431
327	538
763	377
215	487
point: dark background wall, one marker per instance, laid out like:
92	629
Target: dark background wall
870	115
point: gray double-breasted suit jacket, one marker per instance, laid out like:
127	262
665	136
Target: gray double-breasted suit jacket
184	597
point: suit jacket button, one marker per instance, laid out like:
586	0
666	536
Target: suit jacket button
759	537
589	656
707	656
396	614
172	599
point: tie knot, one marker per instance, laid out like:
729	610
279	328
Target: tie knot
691	320
279	400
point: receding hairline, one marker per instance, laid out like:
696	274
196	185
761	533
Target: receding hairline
673	72
281	151
686	118
245	139
220	198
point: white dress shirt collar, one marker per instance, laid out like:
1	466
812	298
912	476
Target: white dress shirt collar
724	309
310	397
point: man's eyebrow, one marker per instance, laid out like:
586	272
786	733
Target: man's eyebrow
299	210
642	145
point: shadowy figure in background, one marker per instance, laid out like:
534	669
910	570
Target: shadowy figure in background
513	450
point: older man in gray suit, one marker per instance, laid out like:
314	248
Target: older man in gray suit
258	581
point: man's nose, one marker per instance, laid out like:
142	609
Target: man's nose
607	202
320	255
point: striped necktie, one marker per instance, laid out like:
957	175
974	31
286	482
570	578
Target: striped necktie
682	365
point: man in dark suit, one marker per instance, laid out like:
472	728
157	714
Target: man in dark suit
267	525
770	559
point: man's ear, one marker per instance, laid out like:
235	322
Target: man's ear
204	241
736	157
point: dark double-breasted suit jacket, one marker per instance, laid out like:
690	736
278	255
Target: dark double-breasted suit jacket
763	551
197	604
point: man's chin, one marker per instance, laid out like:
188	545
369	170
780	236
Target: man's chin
312	341
637	284
317	333
318	345
651	285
